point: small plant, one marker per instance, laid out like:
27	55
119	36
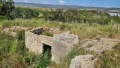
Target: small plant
44	60
47	33
21	35
97	38
62	27
90	45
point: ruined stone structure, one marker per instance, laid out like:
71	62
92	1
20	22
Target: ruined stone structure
61	44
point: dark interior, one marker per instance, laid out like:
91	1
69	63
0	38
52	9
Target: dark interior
38	31
46	48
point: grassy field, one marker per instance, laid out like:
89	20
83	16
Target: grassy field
83	30
14	48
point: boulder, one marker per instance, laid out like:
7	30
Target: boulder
100	44
1	26
13	30
6	31
83	61
13	34
17	28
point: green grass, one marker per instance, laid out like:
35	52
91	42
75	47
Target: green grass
83	30
47	33
14	48
14	54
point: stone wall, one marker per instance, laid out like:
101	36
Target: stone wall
32	43
59	50
61	44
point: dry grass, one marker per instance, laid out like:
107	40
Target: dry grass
110	59
83	30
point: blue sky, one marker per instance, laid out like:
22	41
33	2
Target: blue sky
95	3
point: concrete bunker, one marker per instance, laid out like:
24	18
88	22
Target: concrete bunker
60	44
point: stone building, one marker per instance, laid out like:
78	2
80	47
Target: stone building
60	44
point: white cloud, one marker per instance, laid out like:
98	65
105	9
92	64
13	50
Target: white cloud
25	1
61	1
45	3
93	3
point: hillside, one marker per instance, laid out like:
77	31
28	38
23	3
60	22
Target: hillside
34	5
41	36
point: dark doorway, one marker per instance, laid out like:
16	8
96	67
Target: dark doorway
47	50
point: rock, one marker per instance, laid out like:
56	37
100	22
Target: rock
17	28
6	31
13	34
54	30
48	67
83	61
1	26
13	30
99	45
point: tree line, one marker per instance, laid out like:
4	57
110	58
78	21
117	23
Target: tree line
74	15
6	7
9	11
25	13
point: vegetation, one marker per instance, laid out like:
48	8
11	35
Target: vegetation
9	11
109	59
80	16
13	49
47	33
76	51
13	54
86	24
83	30
25	13
6	8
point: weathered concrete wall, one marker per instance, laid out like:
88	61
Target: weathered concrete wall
59	50
32	43
61	44
45	39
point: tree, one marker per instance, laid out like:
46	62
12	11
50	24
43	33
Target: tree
6	7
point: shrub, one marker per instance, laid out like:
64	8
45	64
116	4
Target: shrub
44	60
110	59
62	27
47	33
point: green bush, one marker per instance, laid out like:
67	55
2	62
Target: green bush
62	27
47	33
